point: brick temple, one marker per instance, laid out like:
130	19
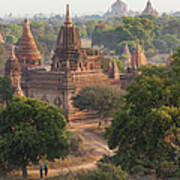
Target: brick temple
72	68
149	10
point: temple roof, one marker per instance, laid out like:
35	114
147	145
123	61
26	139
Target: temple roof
138	57
12	62
1	38
149	9
170	59
68	37
27	49
126	51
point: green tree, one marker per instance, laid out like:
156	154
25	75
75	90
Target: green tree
146	144
120	47
108	172
147	130
90	25
2	58
6	91
173	42
103	99
30	130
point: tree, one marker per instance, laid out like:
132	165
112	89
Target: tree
176	65
3	58
147	131
6	91
146	144
107	172
120	47
30	130
103	99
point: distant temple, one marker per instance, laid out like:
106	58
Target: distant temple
127	53
72	68
138	58
149	10
119	8
170	59
1	38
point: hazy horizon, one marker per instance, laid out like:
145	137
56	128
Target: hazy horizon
79	7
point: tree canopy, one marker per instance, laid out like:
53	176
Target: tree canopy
147	130
103	99
6	92
30	130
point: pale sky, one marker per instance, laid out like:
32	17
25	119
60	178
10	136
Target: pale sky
79	7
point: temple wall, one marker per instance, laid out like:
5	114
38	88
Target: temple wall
49	87
45	86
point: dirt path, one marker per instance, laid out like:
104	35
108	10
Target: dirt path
93	140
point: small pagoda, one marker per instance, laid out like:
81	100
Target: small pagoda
138	57
27	52
170	59
13	71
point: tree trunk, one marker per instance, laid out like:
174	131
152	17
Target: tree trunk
24	172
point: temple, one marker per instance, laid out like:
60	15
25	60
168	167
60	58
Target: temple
13	71
127	53
72	68
170	59
26	51
138	58
119	8
1	38
149	10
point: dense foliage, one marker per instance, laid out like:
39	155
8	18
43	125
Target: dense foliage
103	99
157	35
29	131
6	92
147	130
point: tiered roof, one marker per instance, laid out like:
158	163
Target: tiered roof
69	37
149	10
27	49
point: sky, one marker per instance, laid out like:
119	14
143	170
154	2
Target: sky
78	7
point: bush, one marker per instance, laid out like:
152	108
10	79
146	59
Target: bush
76	144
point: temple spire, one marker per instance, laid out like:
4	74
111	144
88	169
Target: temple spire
12	54
137	45
138	57
68	17
171	52
170	59
27	52
1	38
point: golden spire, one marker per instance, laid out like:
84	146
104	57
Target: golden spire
68	17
